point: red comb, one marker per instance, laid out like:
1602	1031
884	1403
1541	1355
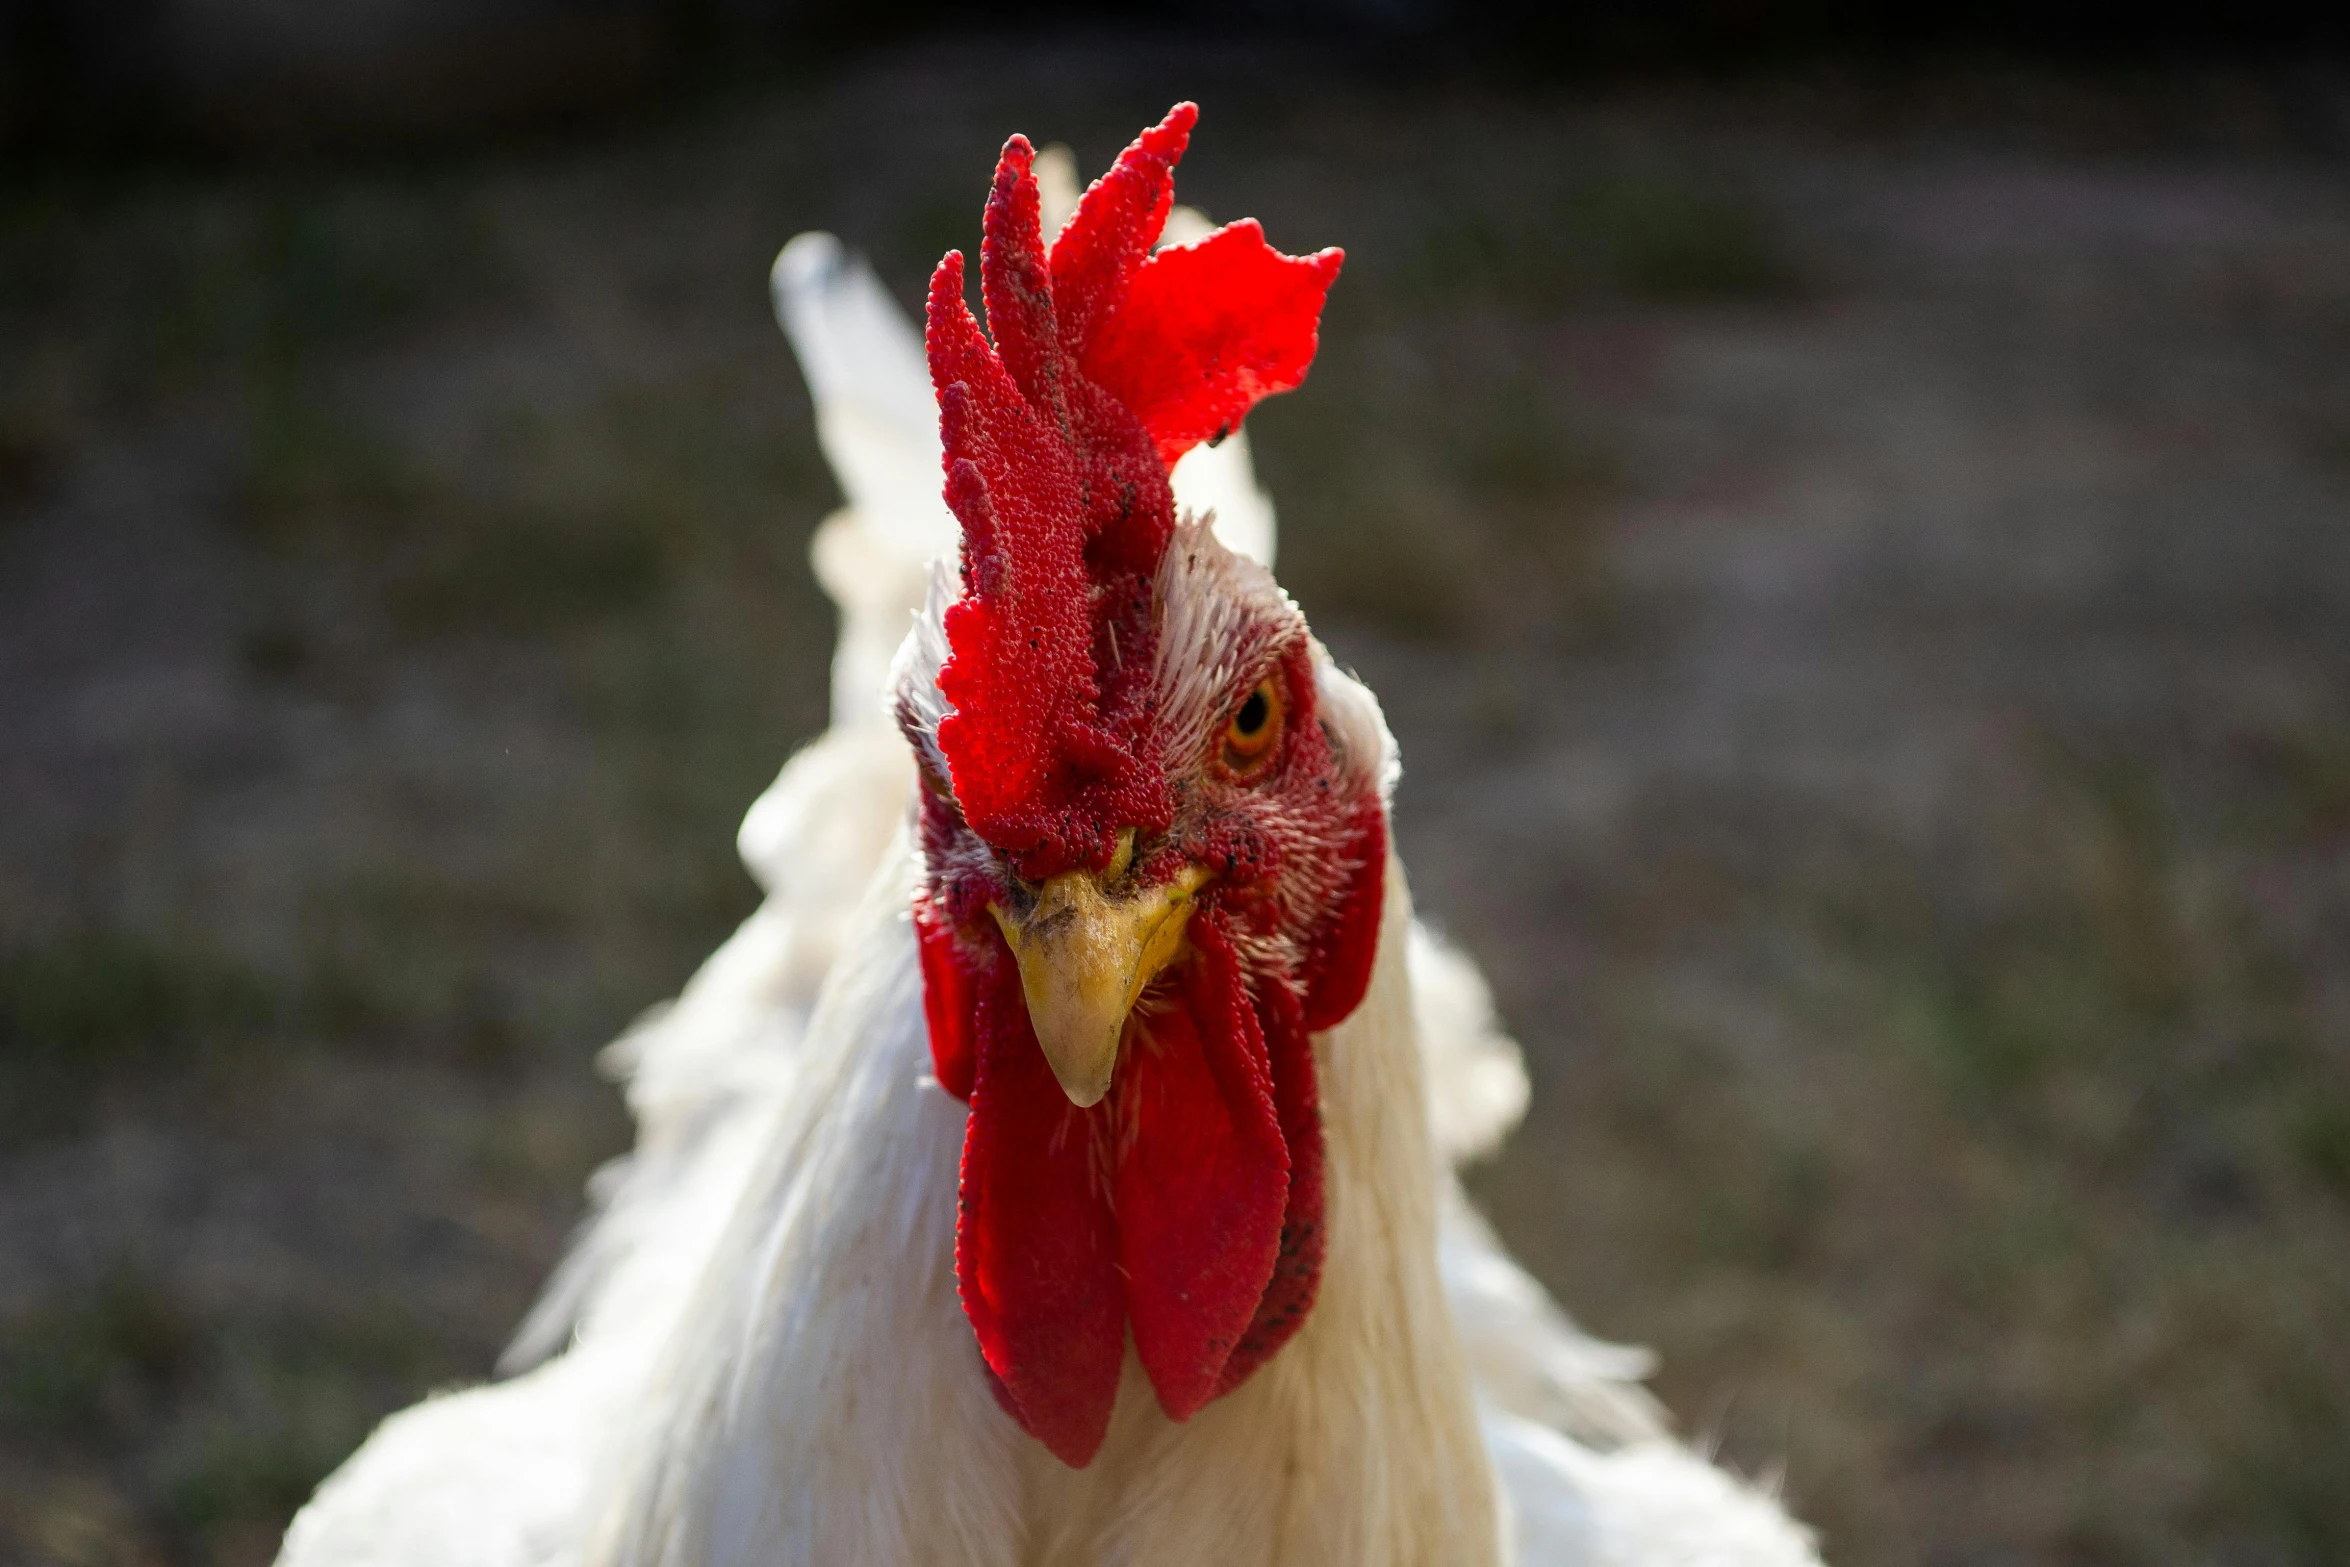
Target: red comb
1108	363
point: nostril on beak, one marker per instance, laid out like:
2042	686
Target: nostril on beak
1085	958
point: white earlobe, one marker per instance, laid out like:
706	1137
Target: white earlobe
1357	728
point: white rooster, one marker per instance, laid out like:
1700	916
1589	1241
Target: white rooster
1057	1168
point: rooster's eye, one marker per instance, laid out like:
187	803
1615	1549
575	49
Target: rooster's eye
1254	730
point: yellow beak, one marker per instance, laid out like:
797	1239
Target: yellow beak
1084	959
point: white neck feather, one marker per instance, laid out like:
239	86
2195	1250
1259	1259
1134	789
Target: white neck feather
824	1402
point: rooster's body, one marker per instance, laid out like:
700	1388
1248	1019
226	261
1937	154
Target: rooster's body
763	1350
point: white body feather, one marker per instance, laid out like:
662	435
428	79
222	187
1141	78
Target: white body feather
755	1353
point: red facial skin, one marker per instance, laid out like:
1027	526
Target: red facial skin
1187	1205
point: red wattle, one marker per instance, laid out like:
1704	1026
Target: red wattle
1036	1243
1297	1265
948	1004
1189	1203
1203	1175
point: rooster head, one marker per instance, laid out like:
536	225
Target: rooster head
1153	815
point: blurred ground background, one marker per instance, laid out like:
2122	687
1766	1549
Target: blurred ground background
1858	558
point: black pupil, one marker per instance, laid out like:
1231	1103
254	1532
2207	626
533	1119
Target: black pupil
1251	716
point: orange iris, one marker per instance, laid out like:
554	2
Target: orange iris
1254	729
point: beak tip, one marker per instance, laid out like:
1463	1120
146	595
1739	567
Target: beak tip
1084	1074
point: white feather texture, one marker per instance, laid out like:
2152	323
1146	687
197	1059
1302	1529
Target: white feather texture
822	1400
755	1354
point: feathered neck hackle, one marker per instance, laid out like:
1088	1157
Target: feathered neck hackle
1108	362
